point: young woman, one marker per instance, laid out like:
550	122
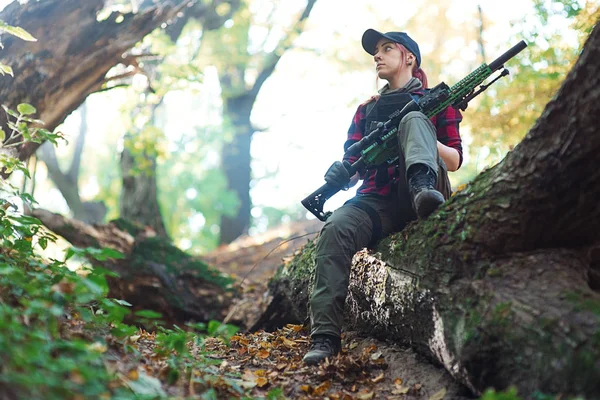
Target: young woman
390	195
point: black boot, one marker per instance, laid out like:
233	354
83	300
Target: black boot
421	187
321	347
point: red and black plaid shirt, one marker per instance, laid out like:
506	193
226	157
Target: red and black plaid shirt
446	124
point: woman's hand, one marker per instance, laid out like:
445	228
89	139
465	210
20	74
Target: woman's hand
337	175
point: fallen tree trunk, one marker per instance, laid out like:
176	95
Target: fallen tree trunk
501	285
154	274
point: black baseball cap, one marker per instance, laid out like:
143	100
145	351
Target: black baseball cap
371	37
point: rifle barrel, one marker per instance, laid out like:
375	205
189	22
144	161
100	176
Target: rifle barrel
513	51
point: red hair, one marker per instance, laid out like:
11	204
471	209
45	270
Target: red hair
417	71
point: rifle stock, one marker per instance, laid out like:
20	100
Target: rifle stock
314	202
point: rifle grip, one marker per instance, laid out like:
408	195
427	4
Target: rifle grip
314	202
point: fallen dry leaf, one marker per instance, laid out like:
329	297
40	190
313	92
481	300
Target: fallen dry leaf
262	382
365	396
439	395
263	354
401	390
322	388
133	375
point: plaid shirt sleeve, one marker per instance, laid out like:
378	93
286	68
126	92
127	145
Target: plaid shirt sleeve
446	124
356	131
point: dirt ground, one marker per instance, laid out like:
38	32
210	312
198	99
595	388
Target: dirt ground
367	368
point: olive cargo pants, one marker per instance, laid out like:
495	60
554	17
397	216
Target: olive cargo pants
365	219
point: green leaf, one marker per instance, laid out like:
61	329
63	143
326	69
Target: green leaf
146	386
122	302
69	253
10	112
110	253
148	314
26	109
17	31
2	135
26	220
5	69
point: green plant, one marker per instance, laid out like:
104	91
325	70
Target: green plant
42	302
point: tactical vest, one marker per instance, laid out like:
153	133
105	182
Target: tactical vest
380	110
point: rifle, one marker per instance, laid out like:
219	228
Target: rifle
380	145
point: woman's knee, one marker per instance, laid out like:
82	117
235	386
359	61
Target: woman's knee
412	117
415	122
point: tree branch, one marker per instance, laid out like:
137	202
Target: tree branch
284	44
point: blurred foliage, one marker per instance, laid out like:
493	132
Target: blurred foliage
192	189
511	106
61	337
35	296
512	394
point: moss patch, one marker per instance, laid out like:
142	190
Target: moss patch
176	261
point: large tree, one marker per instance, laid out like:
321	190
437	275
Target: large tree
73	54
501	285
139	166
242	74
79	43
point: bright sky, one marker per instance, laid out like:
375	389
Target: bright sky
307	104
313	131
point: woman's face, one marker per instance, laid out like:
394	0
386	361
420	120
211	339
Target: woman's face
388	59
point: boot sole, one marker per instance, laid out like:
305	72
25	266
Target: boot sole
427	201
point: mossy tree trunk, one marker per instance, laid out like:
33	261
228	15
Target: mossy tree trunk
154	274
501	285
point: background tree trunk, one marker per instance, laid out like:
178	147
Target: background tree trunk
68	183
238	100
139	194
139	182
501	285
236	164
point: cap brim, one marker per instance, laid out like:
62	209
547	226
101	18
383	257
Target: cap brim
370	39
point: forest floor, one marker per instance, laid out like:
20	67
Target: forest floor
269	365
271	362
251	365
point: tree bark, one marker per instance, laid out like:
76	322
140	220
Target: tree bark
154	274
139	195
501	285
238	102
139	182
72	55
